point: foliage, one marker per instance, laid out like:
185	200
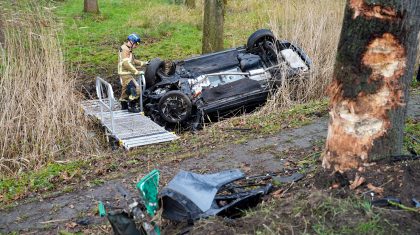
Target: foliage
318	213
40	119
39	181
412	135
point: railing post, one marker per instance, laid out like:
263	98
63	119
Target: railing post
142	84
99	94
100	83
111	106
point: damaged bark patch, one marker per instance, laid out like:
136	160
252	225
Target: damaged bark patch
356	123
360	8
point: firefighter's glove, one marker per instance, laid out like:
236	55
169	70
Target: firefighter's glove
137	72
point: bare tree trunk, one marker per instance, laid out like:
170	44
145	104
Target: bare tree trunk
213	26
1	28
190	3
369	92
91	6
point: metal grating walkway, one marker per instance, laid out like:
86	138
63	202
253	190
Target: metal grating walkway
130	129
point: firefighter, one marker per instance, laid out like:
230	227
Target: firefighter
131	90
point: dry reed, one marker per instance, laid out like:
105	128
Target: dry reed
40	120
314	26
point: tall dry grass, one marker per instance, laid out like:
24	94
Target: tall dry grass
40	120
315	26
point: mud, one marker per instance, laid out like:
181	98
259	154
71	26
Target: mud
277	153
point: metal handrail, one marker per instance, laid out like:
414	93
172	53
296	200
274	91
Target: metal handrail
142	82
100	84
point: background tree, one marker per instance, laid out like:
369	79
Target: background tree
1	29
91	6
369	92
190	3
213	25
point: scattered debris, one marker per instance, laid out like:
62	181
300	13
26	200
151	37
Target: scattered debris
71	225
340	180
186	198
385	201
416	203
52	221
288	179
403	207
375	189
358	180
278	193
84	222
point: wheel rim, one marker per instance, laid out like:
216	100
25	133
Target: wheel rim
174	108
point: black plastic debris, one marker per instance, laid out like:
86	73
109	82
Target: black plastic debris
383	202
288	179
190	196
83	222
122	224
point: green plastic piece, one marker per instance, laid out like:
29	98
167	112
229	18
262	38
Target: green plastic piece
102	211
156	228
149	189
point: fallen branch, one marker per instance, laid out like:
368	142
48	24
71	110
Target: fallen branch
53	221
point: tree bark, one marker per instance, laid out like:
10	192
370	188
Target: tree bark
369	92
1	29
213	26
190	3
91	6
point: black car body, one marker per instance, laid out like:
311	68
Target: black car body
220	82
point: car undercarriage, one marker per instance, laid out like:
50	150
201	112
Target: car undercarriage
189	90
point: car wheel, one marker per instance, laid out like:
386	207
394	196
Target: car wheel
258	37
175	107
152	69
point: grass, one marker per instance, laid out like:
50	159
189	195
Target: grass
317	213
412	135
172	31
39	181
96	169
91	41
329	213
40	119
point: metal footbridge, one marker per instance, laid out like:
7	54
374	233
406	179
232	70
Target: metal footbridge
129	129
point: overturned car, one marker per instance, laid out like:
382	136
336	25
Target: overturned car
189	90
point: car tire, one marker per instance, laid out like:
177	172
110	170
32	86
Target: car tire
175	107
259	36
152	69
